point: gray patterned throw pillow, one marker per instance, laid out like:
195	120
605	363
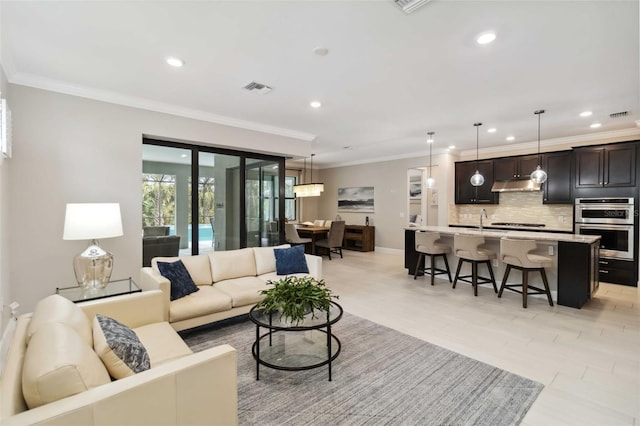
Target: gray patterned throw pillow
119	348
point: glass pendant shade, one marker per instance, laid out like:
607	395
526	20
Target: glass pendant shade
91	221
539	175
431	182
477	179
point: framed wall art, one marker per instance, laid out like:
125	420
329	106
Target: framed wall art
357	199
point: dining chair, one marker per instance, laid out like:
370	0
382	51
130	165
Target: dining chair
318	222
333	242
291	235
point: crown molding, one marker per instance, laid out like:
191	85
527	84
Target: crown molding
587	139
38	82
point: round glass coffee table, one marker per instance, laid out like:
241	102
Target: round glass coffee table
293	347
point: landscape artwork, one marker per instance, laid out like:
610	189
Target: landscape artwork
415	187
357	199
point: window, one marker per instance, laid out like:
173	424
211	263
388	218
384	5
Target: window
289	198
158	199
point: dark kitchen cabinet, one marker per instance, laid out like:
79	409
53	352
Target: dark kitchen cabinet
558	187
469	194
514	168
578	277
618	271
606	166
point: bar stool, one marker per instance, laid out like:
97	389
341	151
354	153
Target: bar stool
517	254
468	249
427	245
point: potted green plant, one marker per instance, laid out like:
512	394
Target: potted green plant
294	297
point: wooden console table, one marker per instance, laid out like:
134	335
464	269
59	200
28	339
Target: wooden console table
360	238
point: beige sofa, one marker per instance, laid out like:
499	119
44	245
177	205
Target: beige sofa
229	284
51	356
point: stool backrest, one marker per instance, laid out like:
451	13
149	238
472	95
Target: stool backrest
426	240
467	243
514	251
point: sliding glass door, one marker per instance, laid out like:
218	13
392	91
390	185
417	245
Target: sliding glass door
262	200
237	199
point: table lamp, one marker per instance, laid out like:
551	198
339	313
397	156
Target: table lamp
92	221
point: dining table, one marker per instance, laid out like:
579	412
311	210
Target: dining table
314	232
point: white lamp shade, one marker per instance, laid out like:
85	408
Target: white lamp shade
89	221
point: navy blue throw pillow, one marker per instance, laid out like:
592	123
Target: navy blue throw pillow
291	260
181	282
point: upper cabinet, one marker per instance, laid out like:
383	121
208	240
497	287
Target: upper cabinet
469	194
514	168
605	166
557	188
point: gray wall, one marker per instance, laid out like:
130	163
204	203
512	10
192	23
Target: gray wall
71	149
390	182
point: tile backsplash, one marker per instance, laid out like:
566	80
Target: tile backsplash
517	207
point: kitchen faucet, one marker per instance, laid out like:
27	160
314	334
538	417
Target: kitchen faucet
483	212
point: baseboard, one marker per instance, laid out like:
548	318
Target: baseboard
390	250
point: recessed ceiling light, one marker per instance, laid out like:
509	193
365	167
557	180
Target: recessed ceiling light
585	114
452	147
175	62
321	51
315	104
510	138
595	125
491	130
486	38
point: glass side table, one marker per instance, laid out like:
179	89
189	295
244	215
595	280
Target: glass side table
114	288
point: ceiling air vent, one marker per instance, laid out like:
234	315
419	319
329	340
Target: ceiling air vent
257	88
409	6
619	114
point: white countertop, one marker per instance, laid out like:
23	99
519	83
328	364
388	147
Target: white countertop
498	233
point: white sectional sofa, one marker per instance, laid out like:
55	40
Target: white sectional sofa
52	367
229	283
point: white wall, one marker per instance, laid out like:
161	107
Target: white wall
71	149
4	224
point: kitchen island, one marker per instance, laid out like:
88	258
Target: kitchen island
573	277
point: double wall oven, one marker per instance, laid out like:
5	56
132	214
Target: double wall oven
613	220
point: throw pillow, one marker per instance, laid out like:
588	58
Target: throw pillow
181	282
291	260
119	348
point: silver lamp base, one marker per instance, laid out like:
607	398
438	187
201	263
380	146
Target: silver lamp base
93	267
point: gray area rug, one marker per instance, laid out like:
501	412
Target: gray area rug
381	377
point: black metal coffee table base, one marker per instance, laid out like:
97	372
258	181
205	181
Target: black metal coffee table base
307	345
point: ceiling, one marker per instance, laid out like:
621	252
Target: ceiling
387	80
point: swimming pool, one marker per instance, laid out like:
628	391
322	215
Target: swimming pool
205	232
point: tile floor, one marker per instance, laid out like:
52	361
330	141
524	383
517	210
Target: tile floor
588	359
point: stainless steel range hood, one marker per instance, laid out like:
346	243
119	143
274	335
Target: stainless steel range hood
515	186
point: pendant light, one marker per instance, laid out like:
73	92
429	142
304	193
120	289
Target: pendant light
539	175
308	189
477	179
430	180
